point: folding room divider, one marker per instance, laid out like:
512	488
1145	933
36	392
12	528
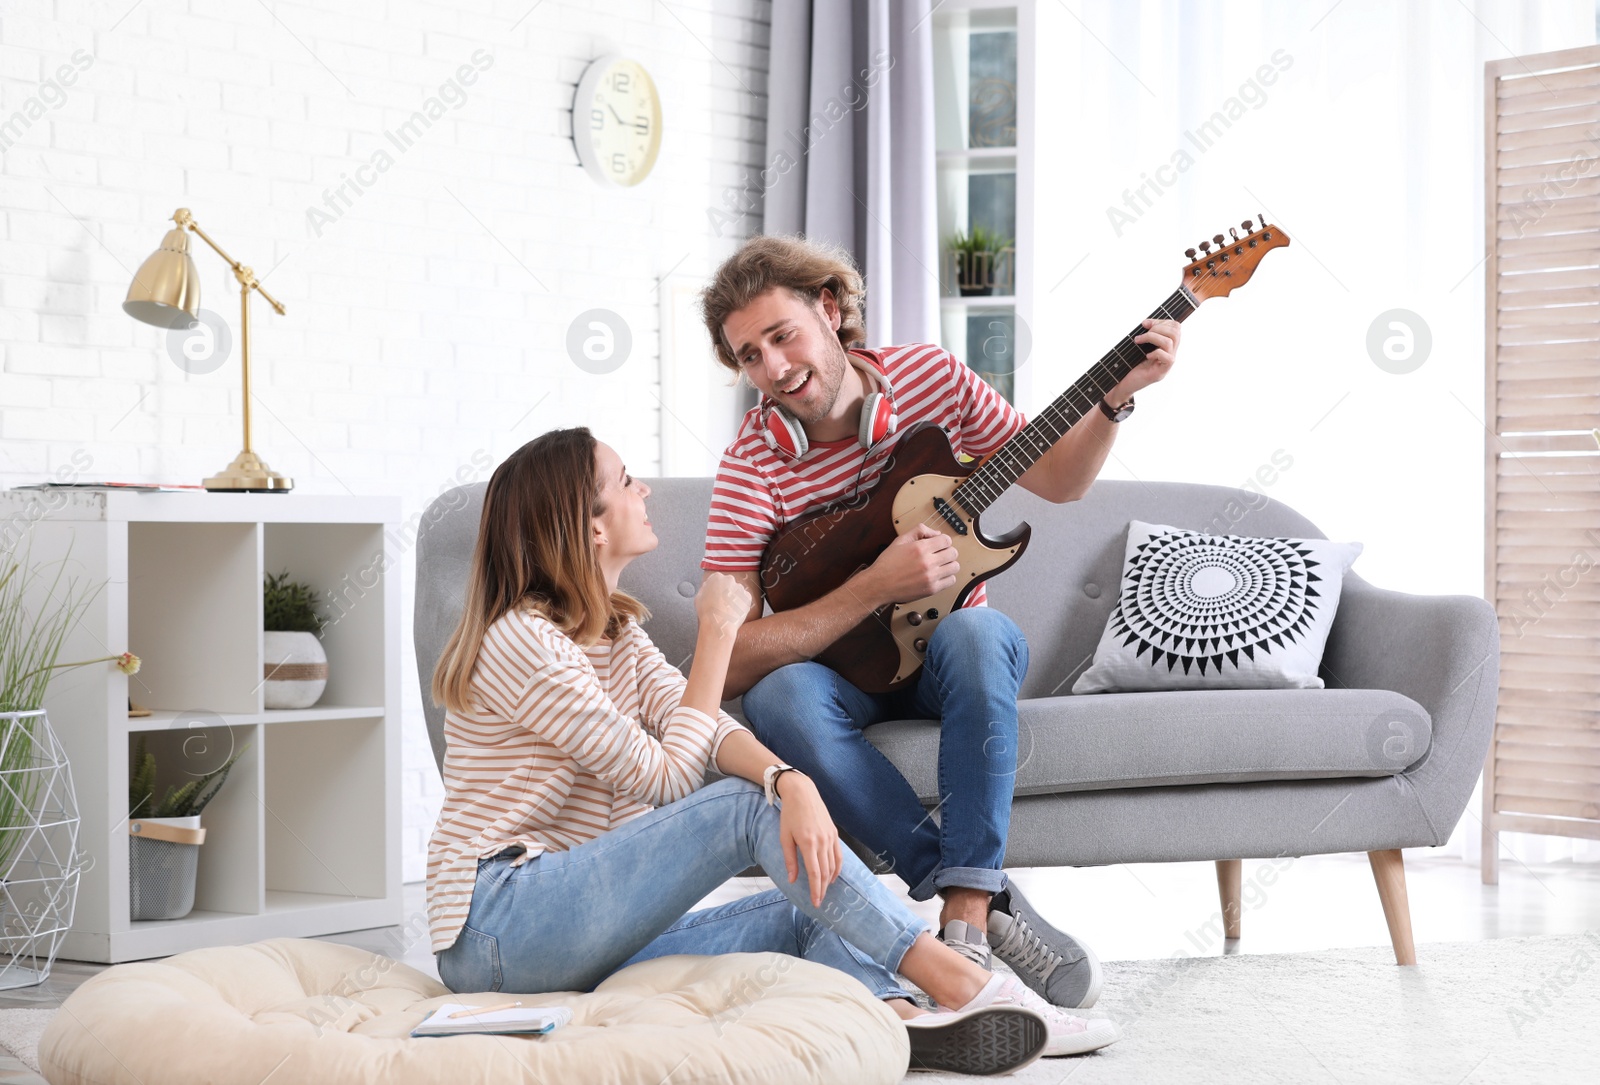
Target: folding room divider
1542	453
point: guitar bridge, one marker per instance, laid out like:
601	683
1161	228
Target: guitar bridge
942	507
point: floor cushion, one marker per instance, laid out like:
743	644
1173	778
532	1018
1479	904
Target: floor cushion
298	1010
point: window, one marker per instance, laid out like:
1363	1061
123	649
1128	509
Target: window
979	108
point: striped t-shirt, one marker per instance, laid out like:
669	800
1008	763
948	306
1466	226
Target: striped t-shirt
561	744
757	491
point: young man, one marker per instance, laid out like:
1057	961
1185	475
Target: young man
782	312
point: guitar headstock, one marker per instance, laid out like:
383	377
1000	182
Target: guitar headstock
1216	272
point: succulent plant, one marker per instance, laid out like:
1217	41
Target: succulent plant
290	607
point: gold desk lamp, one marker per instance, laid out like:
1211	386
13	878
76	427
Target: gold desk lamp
166	293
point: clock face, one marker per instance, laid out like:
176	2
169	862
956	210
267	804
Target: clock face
616	121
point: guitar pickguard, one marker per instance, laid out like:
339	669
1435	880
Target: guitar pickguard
926	499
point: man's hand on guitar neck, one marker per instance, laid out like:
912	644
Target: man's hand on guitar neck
919	563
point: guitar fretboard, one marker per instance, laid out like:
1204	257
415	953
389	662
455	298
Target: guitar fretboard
984	486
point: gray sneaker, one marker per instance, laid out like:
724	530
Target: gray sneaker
968	941
1056	966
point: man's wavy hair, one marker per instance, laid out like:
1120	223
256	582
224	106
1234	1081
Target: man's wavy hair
804	267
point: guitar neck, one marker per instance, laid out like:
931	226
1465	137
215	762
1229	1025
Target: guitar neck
995	476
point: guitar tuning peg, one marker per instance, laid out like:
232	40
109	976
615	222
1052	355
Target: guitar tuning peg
1233	233
1263	219
1189	253
1217	239
1205	247
1246	225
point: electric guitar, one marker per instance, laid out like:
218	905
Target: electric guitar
923	482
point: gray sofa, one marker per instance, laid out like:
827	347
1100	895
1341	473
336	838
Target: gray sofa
1384	758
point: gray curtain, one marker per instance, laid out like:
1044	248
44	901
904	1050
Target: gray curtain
850	107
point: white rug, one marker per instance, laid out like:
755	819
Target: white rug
19	1036
1471	1013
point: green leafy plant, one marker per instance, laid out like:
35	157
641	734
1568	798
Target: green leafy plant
291	607
30	647
31	643
182	801
979	240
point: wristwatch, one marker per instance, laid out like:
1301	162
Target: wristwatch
769	780
1117	414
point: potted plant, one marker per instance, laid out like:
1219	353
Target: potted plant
980	259
39	859
164	836
295	667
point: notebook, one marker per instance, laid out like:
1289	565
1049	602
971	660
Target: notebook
525	1020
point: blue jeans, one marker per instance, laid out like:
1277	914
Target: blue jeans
814	719
565	920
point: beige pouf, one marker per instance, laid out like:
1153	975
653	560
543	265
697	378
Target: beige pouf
294	1010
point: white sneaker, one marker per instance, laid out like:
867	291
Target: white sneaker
983	1041
1069	1033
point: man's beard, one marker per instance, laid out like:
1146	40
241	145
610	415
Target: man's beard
830	374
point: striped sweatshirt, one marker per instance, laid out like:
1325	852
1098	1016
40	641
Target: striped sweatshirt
560	743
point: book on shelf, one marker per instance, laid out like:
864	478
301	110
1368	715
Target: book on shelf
135	487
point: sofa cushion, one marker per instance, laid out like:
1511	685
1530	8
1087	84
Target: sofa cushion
1112	740
1204	611
297	1010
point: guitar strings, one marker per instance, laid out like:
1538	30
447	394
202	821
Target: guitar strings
979	480
1178	296
992	475
1002	469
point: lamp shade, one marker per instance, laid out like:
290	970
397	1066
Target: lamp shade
166	290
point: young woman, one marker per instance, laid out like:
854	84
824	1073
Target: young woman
577	830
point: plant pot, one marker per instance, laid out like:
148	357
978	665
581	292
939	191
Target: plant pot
295	669
163	857
39	858
975	272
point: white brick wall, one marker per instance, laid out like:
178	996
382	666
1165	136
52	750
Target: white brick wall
416	333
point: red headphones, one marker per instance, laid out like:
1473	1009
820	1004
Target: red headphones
787	437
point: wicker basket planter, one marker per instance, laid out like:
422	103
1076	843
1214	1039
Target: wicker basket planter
39	859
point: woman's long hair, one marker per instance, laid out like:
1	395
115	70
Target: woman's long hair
535	548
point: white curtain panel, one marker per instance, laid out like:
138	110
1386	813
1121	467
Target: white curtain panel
850	105
1358	126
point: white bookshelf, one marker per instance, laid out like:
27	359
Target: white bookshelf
304	838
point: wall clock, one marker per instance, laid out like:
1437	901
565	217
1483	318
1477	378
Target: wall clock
616	121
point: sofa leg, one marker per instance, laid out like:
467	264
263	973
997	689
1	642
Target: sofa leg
1230	880
1490	863
1389	871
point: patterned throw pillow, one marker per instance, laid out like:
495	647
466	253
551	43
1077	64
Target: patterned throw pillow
1201	611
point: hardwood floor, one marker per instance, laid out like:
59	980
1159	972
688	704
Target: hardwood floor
1148	911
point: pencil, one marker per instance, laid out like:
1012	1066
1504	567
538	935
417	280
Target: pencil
487	1009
